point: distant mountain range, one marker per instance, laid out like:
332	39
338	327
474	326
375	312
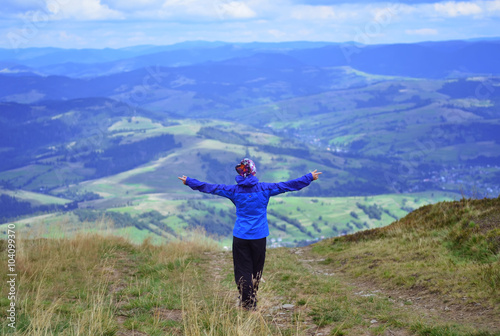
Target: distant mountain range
421	60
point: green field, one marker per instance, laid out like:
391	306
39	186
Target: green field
34	198
293	220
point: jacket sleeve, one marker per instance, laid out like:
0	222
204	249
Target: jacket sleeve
292	185
215	189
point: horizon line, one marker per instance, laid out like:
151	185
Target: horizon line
473	39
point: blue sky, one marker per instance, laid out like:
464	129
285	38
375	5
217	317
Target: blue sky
121	23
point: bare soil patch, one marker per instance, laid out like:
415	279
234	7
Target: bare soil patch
168	314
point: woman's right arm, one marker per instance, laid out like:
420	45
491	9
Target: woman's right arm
209	188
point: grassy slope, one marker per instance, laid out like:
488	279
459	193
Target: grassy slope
34	198
104	285
450	248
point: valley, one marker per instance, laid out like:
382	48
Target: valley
112	143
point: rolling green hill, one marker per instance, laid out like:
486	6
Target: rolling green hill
424	134
117	143
34	198
207	150
104	172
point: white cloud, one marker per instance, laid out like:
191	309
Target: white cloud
235	9
305	12
169	21
192	10
305	32
494	5
133	5
65	37
422	31
454	9
276	33
84	10
391	12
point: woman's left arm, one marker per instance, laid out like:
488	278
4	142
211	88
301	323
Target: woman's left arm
292	185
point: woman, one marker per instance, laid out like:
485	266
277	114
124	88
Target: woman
251	228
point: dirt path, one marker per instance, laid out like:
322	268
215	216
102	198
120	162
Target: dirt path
273	308
121	274
439	308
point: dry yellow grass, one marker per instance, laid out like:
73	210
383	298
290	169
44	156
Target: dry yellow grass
95	283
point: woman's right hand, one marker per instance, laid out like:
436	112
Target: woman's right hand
183	178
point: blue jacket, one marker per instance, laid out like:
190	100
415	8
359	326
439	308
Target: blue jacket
250	198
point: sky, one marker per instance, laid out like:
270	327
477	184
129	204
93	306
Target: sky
122	23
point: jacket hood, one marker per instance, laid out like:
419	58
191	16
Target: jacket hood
249	181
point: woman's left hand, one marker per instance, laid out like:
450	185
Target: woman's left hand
316	174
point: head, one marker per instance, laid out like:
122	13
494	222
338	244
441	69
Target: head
246	168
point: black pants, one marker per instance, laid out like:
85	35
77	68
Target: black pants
248	259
